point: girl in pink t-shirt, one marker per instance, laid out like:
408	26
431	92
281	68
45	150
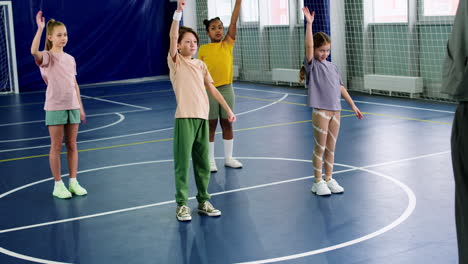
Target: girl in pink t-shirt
63	106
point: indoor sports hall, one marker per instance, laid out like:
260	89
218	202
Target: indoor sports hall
395	164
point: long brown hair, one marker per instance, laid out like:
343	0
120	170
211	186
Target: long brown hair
51	24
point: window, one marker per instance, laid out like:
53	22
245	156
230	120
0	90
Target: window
390	11
277	12
440	7
300	14
221	9
249	11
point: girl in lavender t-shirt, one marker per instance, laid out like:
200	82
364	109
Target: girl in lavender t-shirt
63	105
325	91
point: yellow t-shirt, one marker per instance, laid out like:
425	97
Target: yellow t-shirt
188	77
219	59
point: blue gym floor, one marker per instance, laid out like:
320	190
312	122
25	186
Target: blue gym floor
394	165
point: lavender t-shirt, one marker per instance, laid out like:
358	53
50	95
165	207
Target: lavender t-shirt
324	82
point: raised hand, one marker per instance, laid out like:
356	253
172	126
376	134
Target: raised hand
180	5
308	16
40	20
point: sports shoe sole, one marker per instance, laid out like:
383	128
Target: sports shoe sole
184	219
209	214
67	197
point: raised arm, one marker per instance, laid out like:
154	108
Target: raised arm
37	38
309	40
232	30
174	32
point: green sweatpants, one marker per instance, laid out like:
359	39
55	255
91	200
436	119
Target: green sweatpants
191	139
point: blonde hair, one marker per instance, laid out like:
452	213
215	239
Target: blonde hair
51	24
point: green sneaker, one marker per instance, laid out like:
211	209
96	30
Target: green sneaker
208	209
60	191
76	188
183	213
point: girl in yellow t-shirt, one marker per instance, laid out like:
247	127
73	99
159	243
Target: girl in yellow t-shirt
218	56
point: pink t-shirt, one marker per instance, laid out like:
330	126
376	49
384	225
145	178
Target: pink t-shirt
58	71
188	77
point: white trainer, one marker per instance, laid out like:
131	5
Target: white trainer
232	163
334	186
320	188
183	213
213	167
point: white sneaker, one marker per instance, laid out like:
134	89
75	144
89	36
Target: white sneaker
60	191
208	209
320	188
183	213
334	186
233	163
213	167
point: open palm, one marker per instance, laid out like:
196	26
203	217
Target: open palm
308	16
40	20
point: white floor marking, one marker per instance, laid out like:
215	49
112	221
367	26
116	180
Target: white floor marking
115	102
410	208
121	118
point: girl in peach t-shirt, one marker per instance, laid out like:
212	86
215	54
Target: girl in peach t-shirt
63	106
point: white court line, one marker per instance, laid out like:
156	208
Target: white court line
160	161
265	91
410	208
148	205
121	118
141	133
406	107
93	115
408	211
20	256
92	140
265	106
115	102
357	101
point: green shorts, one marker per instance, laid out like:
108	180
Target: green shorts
62	117
216	110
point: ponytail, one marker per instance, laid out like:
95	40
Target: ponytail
51	24
207	23
302	74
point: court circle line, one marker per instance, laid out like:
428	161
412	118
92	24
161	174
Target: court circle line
121	118
140	133
407	212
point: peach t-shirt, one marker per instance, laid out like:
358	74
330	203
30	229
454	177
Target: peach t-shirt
58	71
188	77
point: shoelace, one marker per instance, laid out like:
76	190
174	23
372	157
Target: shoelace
184	210
208	207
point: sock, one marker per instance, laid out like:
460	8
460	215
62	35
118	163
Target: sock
58	183
72	180
228	145
211	151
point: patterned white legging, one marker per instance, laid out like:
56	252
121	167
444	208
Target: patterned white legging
326	127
